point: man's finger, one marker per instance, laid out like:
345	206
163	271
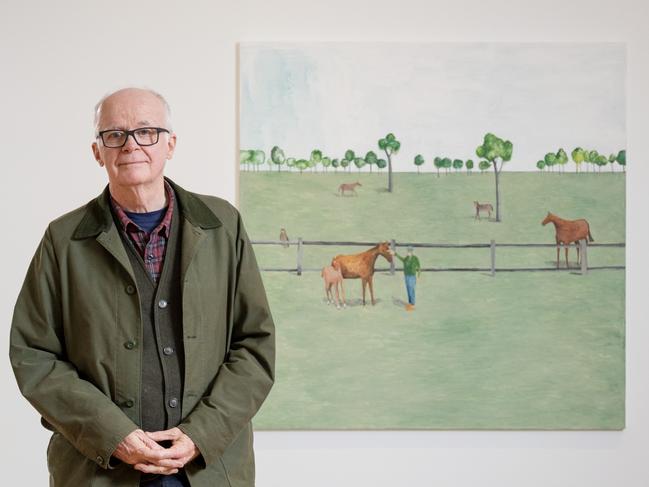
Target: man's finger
162	435
174	452
151	443
148	468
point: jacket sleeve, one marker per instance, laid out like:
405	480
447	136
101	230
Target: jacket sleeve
245	378
77	409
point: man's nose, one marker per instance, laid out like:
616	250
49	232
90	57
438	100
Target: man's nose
130	144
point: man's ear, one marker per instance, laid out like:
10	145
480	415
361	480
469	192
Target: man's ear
171	145
95	152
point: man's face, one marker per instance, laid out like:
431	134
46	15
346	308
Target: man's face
133	165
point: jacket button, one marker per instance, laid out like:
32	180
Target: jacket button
130	289
167	350
128	403
173	402
162	304
130	345
100	459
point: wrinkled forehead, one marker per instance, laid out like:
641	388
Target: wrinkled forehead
132	109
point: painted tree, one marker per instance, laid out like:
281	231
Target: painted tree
315	159
540	165
257	158
494	149
245	157
457	164
419	161
359	162
290	163
326	162
277	157
447	163
371	159
483	166
348	159
469	166
390	145
550	160
621	159
437	162
381	164
601	161
561	159
611	161
591	158
335	163
578	156
302	164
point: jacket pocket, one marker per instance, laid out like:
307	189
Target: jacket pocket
68	467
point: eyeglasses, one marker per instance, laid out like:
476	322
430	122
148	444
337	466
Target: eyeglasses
143	136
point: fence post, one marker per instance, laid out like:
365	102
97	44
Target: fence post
583	246
493	257
299	256
393	246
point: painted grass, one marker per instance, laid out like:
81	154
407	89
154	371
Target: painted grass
519	350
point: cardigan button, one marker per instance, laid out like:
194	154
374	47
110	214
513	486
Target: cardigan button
130	344
168	350
162	304
173	402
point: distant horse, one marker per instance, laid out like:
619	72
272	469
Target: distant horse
362	265
484	207
567	232
348	187
333	278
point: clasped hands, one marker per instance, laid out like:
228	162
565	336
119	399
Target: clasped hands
142	450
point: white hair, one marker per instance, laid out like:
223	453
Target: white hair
148	90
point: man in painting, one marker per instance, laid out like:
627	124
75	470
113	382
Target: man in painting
411	271
142	334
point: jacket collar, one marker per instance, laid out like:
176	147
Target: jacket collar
98	217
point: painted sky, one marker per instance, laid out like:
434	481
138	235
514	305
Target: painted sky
438	99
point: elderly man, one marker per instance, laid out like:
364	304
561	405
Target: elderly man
142	333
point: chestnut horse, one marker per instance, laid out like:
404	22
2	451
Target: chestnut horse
567	232
362	265
348	187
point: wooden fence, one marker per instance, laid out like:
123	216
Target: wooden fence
300	244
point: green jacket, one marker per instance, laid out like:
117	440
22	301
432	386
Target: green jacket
76	335
411	266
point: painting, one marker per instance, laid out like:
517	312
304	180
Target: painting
441	232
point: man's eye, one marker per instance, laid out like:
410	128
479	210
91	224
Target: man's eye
116	134
145	132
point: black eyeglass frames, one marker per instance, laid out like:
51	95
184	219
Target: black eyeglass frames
144	136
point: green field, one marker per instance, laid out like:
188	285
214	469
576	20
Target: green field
518	350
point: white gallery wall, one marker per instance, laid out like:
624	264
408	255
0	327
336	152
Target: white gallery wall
58	58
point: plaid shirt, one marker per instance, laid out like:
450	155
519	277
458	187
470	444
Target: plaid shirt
150	246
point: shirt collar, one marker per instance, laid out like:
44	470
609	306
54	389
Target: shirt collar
164	225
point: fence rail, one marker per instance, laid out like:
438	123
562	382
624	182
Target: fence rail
583	249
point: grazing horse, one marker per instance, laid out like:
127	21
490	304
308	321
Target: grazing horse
484	207
567	232
333	278
362	265
348	187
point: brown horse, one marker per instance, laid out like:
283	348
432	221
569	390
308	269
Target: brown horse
348	187
333	278
567	232
362	265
